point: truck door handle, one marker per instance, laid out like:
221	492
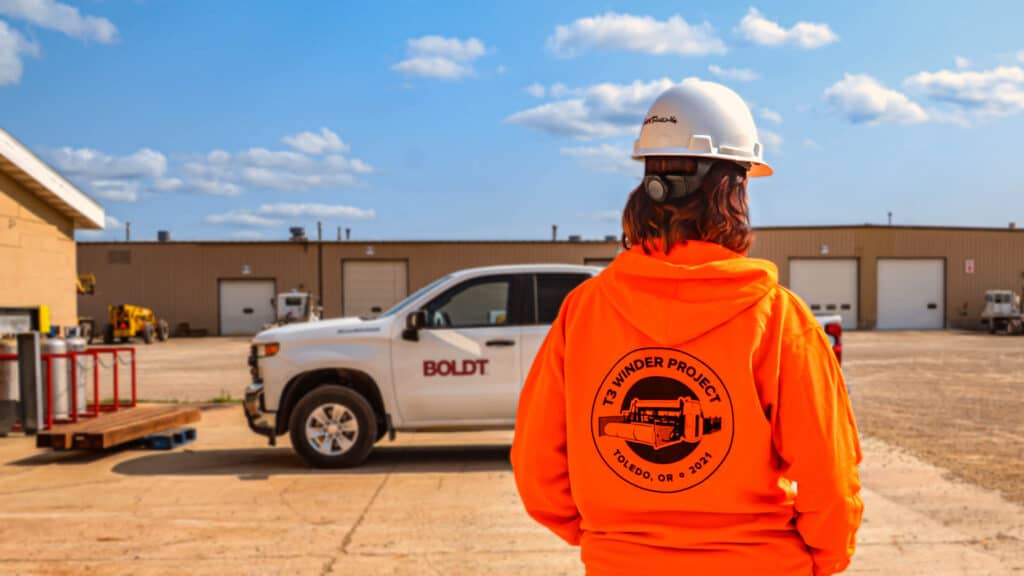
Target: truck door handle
501	342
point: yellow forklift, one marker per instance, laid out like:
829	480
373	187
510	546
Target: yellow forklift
128	321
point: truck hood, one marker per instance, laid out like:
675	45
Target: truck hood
333	328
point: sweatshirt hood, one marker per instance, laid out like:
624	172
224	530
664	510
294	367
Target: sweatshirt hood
696	287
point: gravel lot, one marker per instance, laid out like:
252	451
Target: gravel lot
954	399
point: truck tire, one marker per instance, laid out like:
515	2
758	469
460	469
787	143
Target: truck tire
333	427
148	333
163	331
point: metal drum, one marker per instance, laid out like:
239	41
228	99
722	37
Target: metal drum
9	387
83	366
61	388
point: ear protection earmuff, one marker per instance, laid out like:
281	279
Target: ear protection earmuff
661	187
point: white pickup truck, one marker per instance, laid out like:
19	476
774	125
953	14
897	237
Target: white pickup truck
452	356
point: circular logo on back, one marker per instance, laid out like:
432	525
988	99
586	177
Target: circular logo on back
662	420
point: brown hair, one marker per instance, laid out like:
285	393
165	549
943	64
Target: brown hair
717	213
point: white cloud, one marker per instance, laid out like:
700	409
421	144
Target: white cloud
62	18
115	190
433	67
168	184
757	29
242	218
772	141
737	74
225	174
90	163
863	100
984	93
559	90
12	47
451	48
111	223
606	215
217	173
606	158
501	69
962	62
293	181
110	177
214	187
317	210
271	215
313	143
439	57
594	111
770	115
644	34
536	90
811	144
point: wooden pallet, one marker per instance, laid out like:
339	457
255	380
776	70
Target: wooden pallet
168	439
115	428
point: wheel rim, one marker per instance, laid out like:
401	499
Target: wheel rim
332	429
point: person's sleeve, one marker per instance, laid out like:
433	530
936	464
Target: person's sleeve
816	436
539	448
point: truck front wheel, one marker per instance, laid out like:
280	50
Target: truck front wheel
333	427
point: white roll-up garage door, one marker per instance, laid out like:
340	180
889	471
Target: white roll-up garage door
827	285
371	287
911	294
245	306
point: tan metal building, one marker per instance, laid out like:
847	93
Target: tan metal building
873	276
40	211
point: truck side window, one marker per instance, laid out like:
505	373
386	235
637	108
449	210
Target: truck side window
475	303
551	291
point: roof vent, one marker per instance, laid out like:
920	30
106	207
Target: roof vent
1013	225
611	238
298	234
575	238
163	235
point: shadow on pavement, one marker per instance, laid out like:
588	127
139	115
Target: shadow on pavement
60	457
261	463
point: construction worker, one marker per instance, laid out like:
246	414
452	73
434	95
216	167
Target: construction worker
685	411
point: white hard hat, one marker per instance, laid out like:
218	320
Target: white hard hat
705	120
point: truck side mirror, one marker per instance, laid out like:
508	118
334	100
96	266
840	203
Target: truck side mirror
413	324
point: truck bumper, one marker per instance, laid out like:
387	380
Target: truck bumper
258	420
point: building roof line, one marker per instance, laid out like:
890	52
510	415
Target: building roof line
41	179
837	227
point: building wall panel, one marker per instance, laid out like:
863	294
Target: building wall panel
179	280
37	252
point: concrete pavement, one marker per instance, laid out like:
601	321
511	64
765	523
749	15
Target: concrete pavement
426	504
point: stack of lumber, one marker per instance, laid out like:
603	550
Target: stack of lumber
117	428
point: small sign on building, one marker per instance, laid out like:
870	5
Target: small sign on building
969	266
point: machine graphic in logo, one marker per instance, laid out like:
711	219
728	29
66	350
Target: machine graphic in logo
662	420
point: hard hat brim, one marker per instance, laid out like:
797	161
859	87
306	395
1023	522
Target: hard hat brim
757	169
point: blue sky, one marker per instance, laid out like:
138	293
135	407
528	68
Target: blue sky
445	120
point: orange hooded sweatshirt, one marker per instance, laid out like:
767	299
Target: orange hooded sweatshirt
687	411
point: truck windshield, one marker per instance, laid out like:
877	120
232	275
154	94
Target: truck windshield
415	295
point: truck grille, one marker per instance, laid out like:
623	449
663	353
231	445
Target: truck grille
254	369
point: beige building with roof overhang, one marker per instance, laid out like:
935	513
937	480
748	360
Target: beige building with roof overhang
887	277
39	213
